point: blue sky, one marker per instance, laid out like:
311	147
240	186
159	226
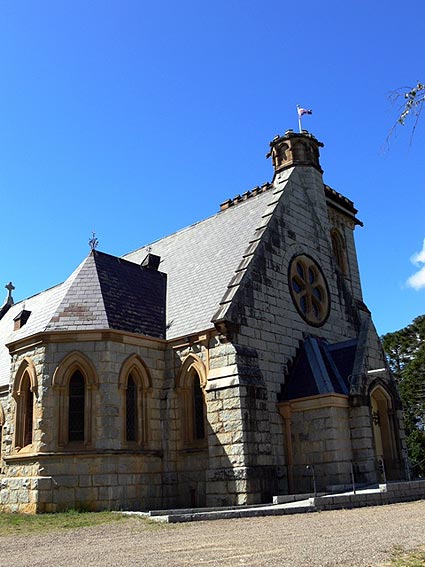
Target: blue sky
136	119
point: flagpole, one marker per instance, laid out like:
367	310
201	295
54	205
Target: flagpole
299	118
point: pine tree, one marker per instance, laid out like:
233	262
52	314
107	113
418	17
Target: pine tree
405	350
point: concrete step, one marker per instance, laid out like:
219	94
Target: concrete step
383	494
237	512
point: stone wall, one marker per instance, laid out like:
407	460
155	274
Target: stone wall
266	318
106	473
321	437
3	400
36	356
362	443
88	482
318	442
241	469
185	460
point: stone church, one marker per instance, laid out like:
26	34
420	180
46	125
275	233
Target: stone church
218	366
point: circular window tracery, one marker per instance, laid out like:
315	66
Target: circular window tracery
309	290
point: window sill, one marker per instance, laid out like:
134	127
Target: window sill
24	450
92	453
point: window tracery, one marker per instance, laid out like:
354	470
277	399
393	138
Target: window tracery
309	290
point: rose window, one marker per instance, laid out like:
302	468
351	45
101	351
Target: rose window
309	290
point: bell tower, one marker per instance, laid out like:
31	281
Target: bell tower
295	149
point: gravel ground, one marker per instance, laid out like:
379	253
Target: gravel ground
356	538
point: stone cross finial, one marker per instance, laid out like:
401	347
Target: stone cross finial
10	287
93	242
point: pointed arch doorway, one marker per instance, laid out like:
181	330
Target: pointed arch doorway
382	413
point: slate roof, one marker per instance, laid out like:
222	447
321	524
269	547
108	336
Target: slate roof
320	368
42	306
104	292
134	296
200	261
112	293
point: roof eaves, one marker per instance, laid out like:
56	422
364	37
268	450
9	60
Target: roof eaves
342	204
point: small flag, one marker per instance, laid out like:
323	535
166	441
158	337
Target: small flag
302	111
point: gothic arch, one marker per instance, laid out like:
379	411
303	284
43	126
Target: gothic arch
75	365
134	365
73	361
299	151
26	368
24	390
190	364
382	414
339	250
190	384
135	383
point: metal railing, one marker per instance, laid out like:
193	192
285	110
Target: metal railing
319	477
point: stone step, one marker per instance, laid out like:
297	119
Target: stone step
383	494
246	512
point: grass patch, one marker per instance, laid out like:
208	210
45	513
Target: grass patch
403	558
16	524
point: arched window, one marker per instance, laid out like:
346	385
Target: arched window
1	427
136	385
191	382
24	386
338	248
28	413
76	411
74	381
299	151
131	410
198	409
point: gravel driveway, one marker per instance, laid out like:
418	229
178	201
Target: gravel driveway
360	537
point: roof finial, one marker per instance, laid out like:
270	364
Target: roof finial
10	287
93	242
